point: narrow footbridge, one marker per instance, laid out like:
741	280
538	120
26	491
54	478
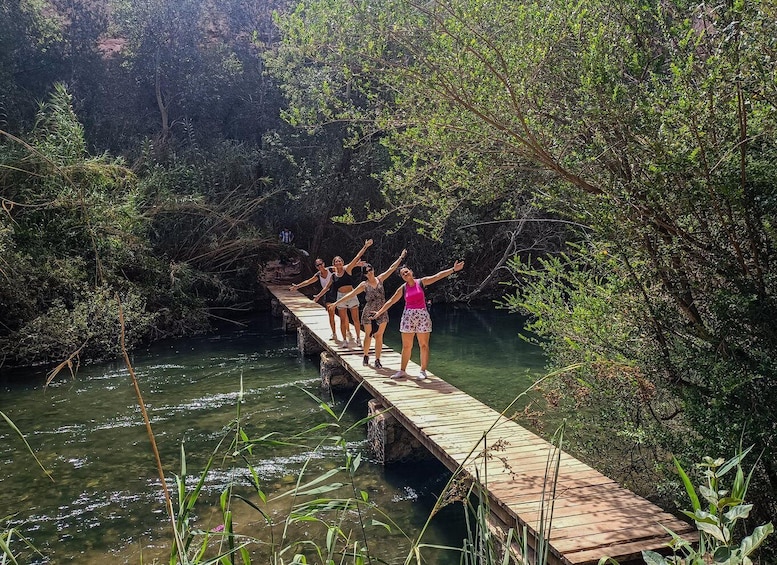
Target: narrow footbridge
592	516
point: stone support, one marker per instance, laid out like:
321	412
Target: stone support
333	374
290	322
388	440
276	308
499	532
307	344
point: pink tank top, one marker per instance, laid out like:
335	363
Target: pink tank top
414	296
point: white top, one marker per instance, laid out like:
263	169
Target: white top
325	280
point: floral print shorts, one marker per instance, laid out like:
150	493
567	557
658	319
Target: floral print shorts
416	321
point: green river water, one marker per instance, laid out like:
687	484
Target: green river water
105	504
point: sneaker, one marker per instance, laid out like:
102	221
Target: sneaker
377	364
399	375
348	336
358	342
333	337
422	375
366	360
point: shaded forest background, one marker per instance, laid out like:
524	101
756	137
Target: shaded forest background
613	165
145	154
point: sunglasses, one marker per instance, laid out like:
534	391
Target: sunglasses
368	269
319	264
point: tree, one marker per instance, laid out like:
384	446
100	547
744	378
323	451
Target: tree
30	53
648	123
193	71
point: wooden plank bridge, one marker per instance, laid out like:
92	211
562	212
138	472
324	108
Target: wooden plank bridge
592	516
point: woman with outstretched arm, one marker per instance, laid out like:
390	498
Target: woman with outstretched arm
416	322
343	282
376	297
323	276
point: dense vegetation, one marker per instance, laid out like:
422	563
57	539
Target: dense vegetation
615	163
649	127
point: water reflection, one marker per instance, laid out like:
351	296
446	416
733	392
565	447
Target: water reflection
106	498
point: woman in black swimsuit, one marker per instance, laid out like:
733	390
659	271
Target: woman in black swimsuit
343	282
376	297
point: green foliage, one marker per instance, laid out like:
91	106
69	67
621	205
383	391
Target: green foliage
74	236
88	325
171	239
190	70
69	228
718	520
205	212
29	47
650	125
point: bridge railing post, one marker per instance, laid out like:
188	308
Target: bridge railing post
290	322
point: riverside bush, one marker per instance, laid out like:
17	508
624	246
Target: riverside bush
720	518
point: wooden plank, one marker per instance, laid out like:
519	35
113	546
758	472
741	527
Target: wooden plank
629	550
593	539
500	428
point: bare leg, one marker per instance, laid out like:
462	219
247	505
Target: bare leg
379	339
368	339
331	320
355	318
343	313
423	343
407	349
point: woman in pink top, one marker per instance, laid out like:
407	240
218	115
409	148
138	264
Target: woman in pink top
416	321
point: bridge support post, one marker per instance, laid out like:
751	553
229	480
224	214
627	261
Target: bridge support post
276	308
306	343
388	440
290	322
333	375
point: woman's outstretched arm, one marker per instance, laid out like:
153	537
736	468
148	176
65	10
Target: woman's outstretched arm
349	267
385	274
389	303
323	290
304	283
354	292
457	266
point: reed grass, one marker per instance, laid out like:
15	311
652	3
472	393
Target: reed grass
10	537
